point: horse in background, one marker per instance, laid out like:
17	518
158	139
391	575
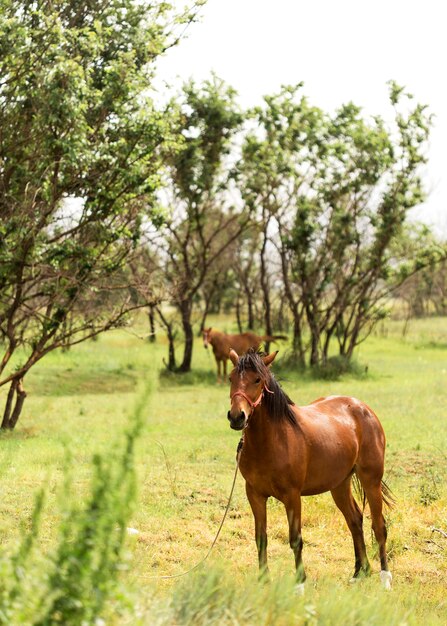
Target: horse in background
290	451
241	344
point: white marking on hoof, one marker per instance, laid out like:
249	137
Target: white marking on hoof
132	531
299	589
353	581
386	578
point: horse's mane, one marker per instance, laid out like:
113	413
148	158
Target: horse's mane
278	403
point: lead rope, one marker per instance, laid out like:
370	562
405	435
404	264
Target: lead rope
238	456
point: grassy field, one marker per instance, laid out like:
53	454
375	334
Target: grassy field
185	461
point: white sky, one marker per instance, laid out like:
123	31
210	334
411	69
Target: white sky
342	49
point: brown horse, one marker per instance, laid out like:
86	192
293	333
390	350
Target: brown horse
290	451
223	343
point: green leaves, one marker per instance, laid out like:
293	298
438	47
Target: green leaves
208	119
75	87
81	151
339	187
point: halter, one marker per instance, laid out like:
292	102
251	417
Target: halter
258	400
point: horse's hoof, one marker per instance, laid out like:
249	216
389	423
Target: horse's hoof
360	575
264	577
299	589
386	578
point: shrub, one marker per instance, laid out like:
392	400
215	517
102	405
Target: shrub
337	366
72	583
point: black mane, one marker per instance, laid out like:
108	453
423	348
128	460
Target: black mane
278	403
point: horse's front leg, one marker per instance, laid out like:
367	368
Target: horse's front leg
258	505
293	509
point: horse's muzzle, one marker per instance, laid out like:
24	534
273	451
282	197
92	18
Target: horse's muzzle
238	422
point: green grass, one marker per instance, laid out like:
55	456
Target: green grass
185	463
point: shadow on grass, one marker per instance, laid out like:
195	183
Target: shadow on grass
70	382
335	368
284	370
184	379
430	345
20	433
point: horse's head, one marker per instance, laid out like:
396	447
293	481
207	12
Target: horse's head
249	381
206	334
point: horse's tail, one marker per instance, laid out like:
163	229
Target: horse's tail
387	495
358	489
274	337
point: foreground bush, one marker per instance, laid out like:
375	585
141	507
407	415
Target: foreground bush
72	584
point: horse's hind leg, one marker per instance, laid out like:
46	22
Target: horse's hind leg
343	498
372	485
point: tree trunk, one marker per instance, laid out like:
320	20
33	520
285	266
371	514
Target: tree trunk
314	337
250	311
314	353
202	323
353	340
266	291
244	282
185	310
171	365
208	298
297	342
11	414
280	318
151	315
238	315
295	306
325	350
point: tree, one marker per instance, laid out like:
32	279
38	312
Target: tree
335	191
218	286
248	277
200	225
80	153
345	228
278	159
424	291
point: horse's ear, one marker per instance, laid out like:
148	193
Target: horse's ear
268	360
234	357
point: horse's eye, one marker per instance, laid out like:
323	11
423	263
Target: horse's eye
258	380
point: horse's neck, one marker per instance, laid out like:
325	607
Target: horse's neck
219	342
261	430
216	337
267	446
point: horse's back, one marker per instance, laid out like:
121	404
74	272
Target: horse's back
243	342
357	408
346	419
343	410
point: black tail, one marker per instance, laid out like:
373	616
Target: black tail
358	489
274	337
387	495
